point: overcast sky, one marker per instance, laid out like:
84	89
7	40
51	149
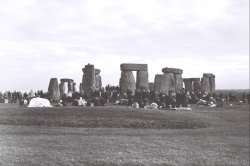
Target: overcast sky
42	39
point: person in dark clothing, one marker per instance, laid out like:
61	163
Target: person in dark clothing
130	97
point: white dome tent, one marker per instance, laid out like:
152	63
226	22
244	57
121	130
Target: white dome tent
39	102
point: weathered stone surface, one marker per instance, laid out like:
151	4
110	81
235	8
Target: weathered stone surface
133	67
54	92
205	87
74	86
172	70
89	78
178	81
151	86
168	82
142	80
158	83
196	84
71	86
83	81
66	80
63	88
97	71
209	75
188	84
98	82
127	81
212	84
81	88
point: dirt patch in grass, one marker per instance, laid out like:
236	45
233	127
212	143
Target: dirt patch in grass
102	117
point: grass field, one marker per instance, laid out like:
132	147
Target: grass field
114	135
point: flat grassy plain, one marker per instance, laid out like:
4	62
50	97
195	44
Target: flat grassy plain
115	135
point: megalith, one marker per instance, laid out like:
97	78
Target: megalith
168	82
196	84
53	90
210	78
98	79
212	84
70	84
205	87
127	81
158	83
74	86
177	81
142	80
63	88
188	84
89	78
81	88
151	86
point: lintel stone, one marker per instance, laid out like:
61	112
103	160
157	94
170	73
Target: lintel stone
172	70
133	67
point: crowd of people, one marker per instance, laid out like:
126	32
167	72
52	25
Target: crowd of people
140	98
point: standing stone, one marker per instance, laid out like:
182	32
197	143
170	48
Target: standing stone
178	82
89	78
168	82
81	88
212	84
127	81
158	83
188	84
63	88
205	87
197	84
142	80
74	86
98	79
71	86
83	69
54	92
151	86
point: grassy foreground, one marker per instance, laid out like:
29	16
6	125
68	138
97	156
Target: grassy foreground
122	136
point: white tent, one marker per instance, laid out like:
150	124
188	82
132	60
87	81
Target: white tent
39	102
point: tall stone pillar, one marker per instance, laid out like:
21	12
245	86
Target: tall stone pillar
142	80
74	87
188	84
212	84
63	88
211	81
89	78
81	88
53	89
177	81
98	79
205	87
151	86
168	82
158	83
127	81
83	78
196	84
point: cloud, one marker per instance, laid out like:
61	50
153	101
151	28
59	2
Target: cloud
44	39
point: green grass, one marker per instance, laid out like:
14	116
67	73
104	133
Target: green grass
122	136
105	117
